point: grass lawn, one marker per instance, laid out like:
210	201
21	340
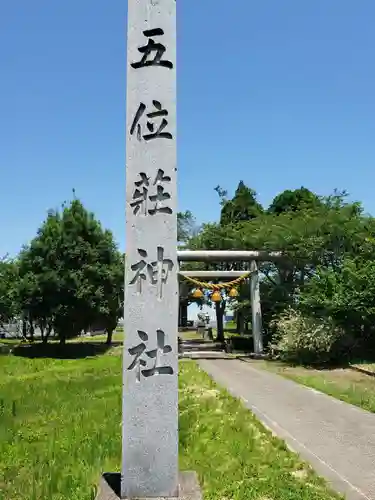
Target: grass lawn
342	383
60	427
10	341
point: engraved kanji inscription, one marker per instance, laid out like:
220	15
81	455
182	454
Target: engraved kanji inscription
157	129
139	352
150	199
152	52
156	272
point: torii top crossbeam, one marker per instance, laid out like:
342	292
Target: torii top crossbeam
227	255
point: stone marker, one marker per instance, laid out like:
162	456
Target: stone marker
150	391
256	309
150	361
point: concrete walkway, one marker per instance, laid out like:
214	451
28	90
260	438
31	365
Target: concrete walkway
337	439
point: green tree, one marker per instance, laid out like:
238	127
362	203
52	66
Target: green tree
39	277
307	239
70	273
8	290
293	201
346	295
242	207
311	240
111	306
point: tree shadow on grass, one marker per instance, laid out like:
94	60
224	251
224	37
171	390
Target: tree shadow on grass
78	350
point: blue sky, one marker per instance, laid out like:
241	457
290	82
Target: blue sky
278	93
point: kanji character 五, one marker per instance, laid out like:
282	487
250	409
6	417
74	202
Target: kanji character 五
154	49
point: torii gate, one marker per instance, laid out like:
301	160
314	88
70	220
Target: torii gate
252	257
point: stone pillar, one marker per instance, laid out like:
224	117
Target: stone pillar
150	369
256	308
183	304
183	316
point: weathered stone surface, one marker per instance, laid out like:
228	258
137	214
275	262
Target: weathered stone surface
189	489
150	390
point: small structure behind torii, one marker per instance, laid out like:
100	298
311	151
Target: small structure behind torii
252	257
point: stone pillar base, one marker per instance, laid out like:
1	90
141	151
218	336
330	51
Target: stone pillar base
110	486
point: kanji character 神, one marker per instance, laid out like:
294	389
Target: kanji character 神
157	271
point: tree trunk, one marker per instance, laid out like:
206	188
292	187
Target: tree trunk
183	314
31	331
109	336
48	333
220	308
62	339
240	322
41	328
24	329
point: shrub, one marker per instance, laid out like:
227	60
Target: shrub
238	342
304	339
347	295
